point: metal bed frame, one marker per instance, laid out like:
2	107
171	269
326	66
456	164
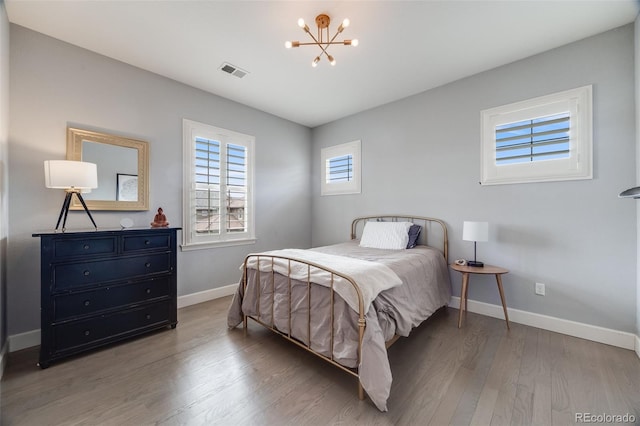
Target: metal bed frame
361	314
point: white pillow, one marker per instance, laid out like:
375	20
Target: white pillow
386	235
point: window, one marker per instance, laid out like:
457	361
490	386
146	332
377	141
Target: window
217	186
542	139
340	169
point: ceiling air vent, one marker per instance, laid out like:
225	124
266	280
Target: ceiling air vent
233	70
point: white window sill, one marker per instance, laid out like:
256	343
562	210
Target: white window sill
217	244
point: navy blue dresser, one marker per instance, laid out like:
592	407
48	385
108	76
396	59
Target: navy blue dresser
99	287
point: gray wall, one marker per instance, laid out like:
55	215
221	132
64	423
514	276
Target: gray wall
55	85
420	155
4	142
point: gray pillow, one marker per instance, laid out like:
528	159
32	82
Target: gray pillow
414	233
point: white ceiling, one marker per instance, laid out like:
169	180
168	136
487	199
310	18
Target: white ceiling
406	47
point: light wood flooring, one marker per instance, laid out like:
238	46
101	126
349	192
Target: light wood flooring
201	373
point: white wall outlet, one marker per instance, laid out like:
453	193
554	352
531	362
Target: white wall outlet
540	289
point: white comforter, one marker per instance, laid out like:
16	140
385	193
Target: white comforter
372	277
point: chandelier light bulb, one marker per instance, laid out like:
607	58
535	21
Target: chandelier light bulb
287	44
301	23
315	61
332	61
355	42
344	25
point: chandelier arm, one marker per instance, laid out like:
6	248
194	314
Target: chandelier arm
314	39
314	43
334	37
324	50
329	43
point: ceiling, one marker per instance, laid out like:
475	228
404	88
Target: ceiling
406	47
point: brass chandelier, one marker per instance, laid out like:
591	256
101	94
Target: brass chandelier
324	39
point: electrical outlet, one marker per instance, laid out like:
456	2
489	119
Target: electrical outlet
540	289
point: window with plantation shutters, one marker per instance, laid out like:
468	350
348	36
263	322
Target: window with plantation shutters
542	139
538	139
207	186
217	186
340	169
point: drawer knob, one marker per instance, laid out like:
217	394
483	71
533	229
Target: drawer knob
147	242
148	291
87	332
86	247
148	316
87	302
148	264
86	273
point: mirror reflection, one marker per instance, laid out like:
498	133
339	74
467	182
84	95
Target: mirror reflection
122	163
117	171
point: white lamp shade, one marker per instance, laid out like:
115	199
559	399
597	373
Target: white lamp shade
65	174
475	231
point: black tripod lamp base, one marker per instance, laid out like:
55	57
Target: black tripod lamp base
65	209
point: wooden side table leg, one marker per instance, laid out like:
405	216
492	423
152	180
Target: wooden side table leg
463	297
504	303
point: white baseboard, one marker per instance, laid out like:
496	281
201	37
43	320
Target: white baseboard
205	296
585	331
32	338
608	336
3	357
24	340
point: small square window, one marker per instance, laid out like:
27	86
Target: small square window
340	169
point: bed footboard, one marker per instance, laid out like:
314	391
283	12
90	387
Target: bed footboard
260	277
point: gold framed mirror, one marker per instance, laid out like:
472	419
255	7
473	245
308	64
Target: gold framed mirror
123	169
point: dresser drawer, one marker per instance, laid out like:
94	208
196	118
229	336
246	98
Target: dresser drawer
146	242
83	274
110	327
83	246
109	298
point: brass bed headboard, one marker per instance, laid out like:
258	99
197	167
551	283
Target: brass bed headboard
419	220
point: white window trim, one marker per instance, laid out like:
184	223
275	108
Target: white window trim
190	240
579	165
340	188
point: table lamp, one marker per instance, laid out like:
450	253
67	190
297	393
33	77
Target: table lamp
475	231
74	177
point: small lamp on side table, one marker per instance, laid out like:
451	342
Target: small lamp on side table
475	231
73	177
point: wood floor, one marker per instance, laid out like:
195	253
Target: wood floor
201	373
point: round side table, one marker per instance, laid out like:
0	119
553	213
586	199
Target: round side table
485	270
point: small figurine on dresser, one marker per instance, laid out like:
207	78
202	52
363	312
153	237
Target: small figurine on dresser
159	220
